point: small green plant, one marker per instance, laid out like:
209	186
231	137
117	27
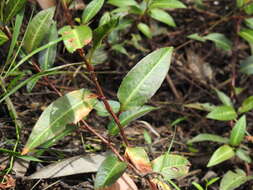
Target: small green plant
137	87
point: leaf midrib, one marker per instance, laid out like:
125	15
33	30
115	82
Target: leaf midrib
50	125
37	31
140	84
12	10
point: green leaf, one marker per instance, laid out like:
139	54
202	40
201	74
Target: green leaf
91	10
105	18
147	137
212	181
249	9
238	132
145	30
246	66
3	37
120	48
223	153
232	180
162	16
139	158
222	113
208	137
70	108
144	79
171	166
101	110
110	170
197	37
247	34
243	155
128	116
38	28
249	22
120	3
47	56
201	106
75	38
247	105
167	4
223	98
102	31
197	186
220	41
12	8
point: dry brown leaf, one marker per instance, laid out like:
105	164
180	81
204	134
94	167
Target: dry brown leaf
123	183
9	182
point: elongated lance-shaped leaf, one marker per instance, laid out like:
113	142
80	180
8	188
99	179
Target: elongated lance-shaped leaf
238	132
12	8
222	113
208	137
110	170
75	38
162	16
247	34
128	116
247	105
144	79
220	40
38	28
91	10
223	153
167	4
70	108
47	57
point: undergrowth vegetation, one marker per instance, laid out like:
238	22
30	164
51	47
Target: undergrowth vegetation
126	94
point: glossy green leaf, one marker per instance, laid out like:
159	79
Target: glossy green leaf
247	105
249	22
145	30
91	10
12	8
102	31
38	28
144	79
224	98
247	34
238	132
197	37
208	137
171	166
70	108
120	3
3	37
212	181
201	106
243	155
75	38
139	158
232	180
127	116
109	171
47	56
162	16
101	110
167	4
246	66
222	154
220	40
222	113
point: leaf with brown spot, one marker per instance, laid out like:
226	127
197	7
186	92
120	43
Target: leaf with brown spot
139	159
67	109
